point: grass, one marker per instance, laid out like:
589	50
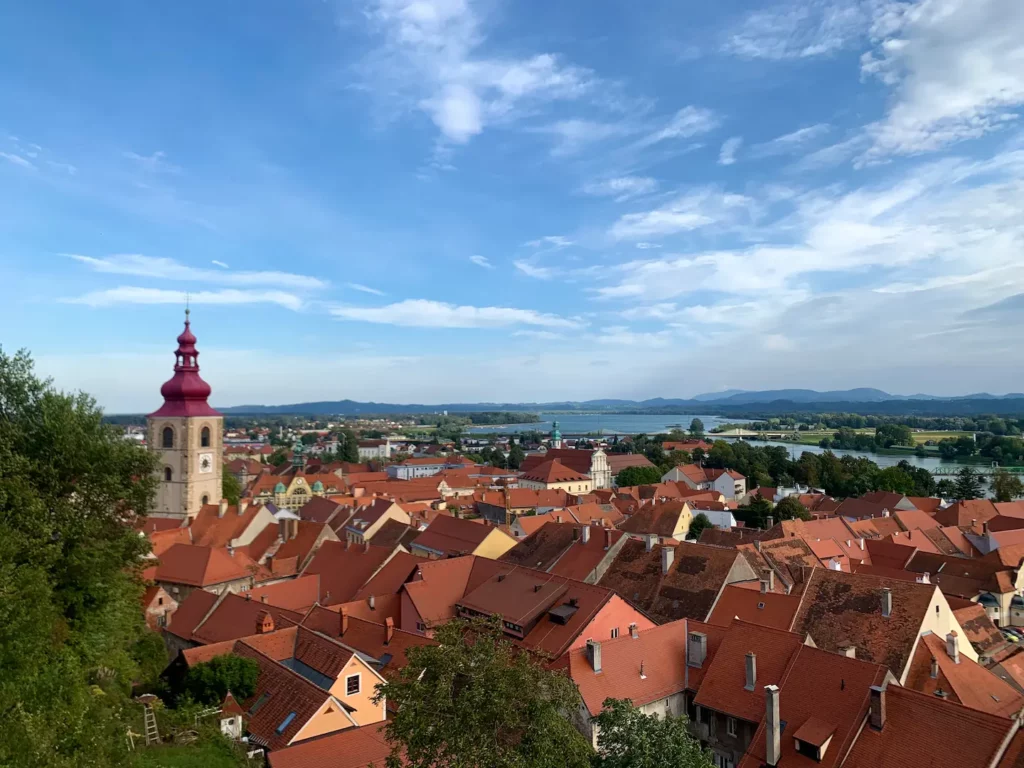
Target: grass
923	437
206	754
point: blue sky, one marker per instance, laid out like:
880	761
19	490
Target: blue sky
447	200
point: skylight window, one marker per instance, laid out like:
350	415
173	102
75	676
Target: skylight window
259	703
285	723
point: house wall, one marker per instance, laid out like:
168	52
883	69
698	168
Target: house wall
328	719
260	520
730	487
711	728
183	495
495	545
575	486
940	620
162	607
600	472
616	613
366	712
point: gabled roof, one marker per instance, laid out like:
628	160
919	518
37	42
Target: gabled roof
294	594
394	533
559	548
979	630
696	577
841	609
921	729
319	509
553	471
352	748
190	613
966	682
771	609
576	460
390	578
453	536
915	519
344	568
236	616
859	509
198	566
661	519
723	687
962	513
211	530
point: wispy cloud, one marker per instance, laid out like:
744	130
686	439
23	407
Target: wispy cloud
540	335
154	163
16	159
534	270
789	142
575	134
621	335
365	289
556	241
688	122
644	246
481	261
137	295
686	212
800	30
220	264
161	268
425	313
622	187
727	155
433	59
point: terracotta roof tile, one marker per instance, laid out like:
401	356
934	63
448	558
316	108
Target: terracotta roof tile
770	609
236	616
344	568
962	513
394	533
452	536
390	578
553	471
190	612
352	748
204	566
211	530
661	519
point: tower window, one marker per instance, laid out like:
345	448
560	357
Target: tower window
206	499
168	474
168	437
204	437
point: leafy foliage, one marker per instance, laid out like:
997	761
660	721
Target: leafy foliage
209	682
516	456
474	700
348	447
627	738
790	508
967	485
231	489
697	428
698	524
70	490
638	476
1005	486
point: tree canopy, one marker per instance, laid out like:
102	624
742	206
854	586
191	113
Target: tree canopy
697	428
627	738
698	524
209	682
474	700
638	476
1006	486
967	485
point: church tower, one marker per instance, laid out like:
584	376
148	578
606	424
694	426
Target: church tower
186	434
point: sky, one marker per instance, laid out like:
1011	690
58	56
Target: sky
424	201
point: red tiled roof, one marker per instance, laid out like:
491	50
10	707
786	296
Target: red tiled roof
204	566
661	519
963	513
344	568
351	748
914	519
967	682
452	536
295	594
925	730
770	609
575	459
210	530
394	533
190	612
390	578
554	471
236	616
978	628
319	509
620	461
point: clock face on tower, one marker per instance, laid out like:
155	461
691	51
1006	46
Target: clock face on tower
205	463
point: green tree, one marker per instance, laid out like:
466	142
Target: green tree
309	438
945	488
967	485
71	489
698	524
1006	486
790	508
279	457
474	700
756	513
209	682
896	480
637	476
697	428
231	489
348	447
627	738
516	456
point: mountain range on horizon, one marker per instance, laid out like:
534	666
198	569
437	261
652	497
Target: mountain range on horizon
725	398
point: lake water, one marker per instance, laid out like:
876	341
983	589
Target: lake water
631	424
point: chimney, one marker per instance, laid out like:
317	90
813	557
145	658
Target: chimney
575	534
373	603
751	671
886	602
862	542
594	655
770	521
651	540
264	623
935	668
984	527
223	508
757	544
243	504
585	534
608	538
389	623
764	586
696	649
633	631
772	725
344	620
849	651
668	554
263	598
953	646
771	580
876	716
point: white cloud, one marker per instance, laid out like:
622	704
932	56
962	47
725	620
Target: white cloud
136	295
686	212
365	289
574	134
956	67
558	241
424	313
154	163
540	335
622	187
16	159
481	261
534	270
790	142
663	311
800	30
727	155
220	264
687	122
643	246
433	58
161	268
621	335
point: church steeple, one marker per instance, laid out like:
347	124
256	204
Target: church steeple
185	393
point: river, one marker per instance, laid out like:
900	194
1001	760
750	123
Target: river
572	424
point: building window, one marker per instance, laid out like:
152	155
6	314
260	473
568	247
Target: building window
204	437
730	726
615	632
168	474
168	437
421	627
161	620
206	499
352	685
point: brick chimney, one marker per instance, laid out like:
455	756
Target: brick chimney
344	620
772	725
751	668
389	624
264	623
608	538
953	646
696	649
594	655
935	668
243	504
886	602
876	715
668	554
222	508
